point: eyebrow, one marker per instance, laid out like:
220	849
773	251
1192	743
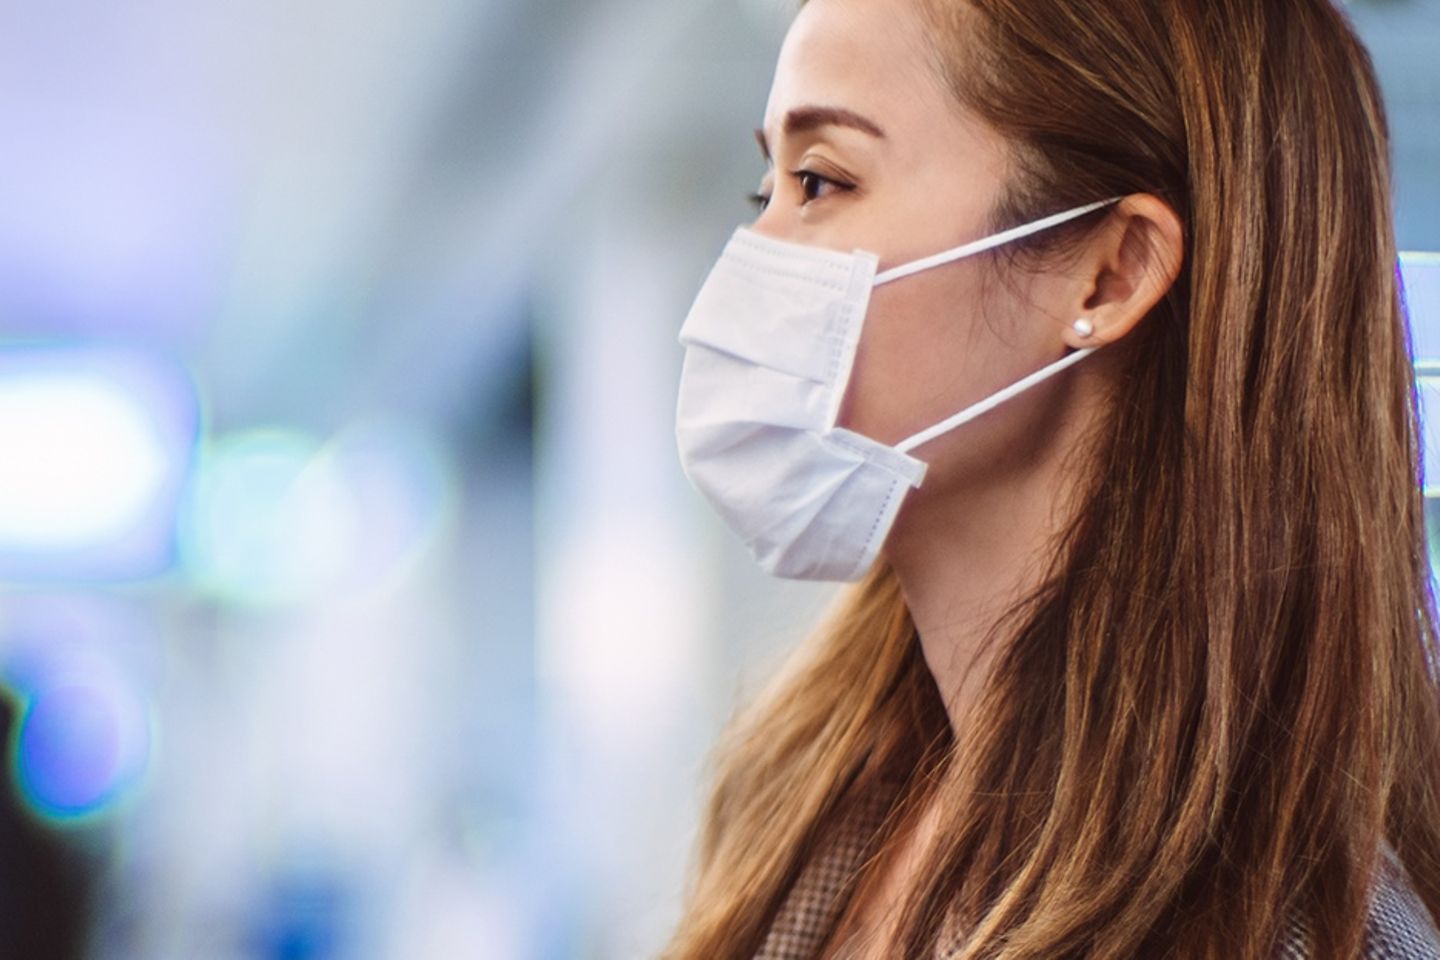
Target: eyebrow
801	119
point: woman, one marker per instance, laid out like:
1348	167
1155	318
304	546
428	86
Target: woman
1141	660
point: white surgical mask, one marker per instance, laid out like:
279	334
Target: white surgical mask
769	345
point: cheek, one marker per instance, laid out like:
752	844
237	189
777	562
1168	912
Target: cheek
917	361
932	346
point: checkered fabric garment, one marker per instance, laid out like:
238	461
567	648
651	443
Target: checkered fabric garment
1399	927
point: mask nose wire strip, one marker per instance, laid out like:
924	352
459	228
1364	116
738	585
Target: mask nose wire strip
971	412
1015	233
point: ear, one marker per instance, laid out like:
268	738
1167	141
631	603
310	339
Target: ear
1131	263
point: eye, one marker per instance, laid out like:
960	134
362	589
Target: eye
813	185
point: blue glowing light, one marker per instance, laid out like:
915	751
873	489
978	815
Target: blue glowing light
69	750
79	747
84	736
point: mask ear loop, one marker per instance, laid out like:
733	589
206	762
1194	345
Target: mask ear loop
978	246
985	243
994	400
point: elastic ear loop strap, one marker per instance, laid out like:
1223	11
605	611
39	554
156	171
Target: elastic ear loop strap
978	246
1019	386
970	413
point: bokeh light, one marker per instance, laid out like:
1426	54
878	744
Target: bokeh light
276	516
98	443
80	747
237	532
75	670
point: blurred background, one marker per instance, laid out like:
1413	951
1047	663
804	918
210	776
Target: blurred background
352	602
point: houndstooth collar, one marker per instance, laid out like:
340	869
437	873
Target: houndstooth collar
1399	926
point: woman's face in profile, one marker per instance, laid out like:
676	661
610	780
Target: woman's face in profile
867	148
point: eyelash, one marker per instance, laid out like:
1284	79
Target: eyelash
759	200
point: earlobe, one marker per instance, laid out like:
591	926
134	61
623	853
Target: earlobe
1082	333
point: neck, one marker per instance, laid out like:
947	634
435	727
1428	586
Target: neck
964	558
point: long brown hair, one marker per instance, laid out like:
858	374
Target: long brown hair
1224	696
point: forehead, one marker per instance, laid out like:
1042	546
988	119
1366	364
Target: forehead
870	56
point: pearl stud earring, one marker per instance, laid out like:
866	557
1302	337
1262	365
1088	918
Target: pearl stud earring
1084	327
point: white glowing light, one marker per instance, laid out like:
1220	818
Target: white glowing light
82	463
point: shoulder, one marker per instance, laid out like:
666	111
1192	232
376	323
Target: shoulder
1399	925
